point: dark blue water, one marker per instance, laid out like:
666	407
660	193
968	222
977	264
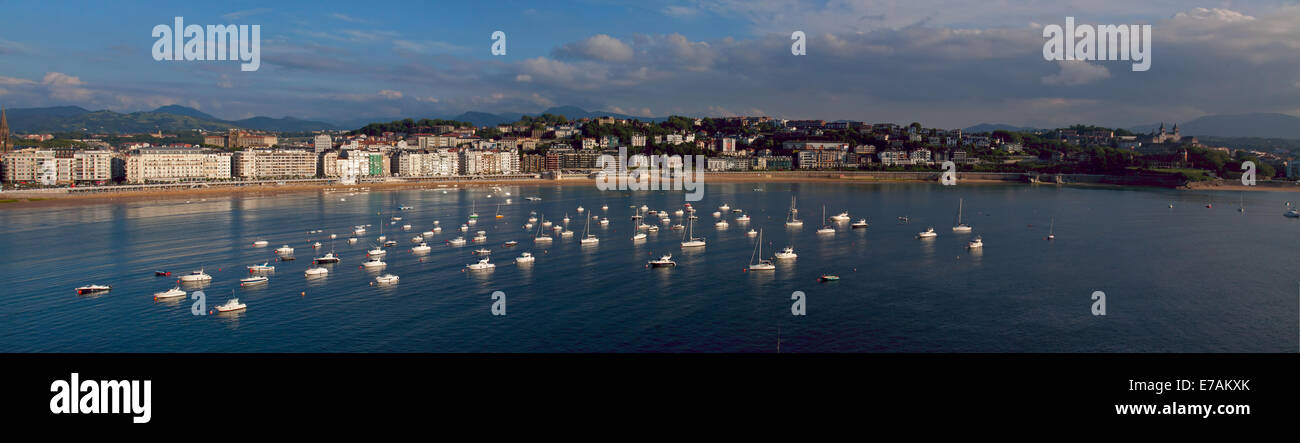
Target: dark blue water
1186	279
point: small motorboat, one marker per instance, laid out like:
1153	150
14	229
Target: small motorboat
482	265
927	233
841	217
663	262
510	244
786	254
196	276
422	248
254	280
406	227
976	243
315	245
482	251
374	262
828	277
284	250
93	289
742	218
260	243
386	279
861	223
721	224
458	241
751	233
170	293
162	273
639	236
329	257
526	257
417	240
231	306
565	234
264	267
390	243
316	272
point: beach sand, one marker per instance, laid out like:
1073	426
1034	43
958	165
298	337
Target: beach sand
29	199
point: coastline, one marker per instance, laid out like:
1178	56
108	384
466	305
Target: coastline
31	199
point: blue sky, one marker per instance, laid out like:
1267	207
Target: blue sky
945	62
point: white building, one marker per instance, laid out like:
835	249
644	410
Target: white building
323	143
176	164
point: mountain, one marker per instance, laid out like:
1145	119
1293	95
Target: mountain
20	118
1260	125
182	110
166	118
569	112
286	124
486	119
990	127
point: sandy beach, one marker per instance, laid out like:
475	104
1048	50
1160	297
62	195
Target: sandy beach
28	199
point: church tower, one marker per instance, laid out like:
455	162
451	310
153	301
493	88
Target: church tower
4	132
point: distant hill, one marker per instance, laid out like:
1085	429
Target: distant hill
285	124
182	110
990	127
1258	125
166	118
569	112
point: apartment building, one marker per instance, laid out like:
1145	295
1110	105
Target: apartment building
252	164
176	164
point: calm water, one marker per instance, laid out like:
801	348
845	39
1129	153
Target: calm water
1186	279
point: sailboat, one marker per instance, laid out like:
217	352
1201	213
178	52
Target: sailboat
961	227
587	237
793	220
689	240
473	214
762	264
826	229
1242	208
541	238
499	211
1051	230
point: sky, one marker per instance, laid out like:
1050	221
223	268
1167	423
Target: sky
945	63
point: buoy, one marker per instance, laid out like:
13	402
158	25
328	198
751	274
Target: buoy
304	293
209	311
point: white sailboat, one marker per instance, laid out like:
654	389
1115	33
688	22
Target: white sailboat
587	237
793	221
826	229
539	238
961	227
690	240
1051	230
762	264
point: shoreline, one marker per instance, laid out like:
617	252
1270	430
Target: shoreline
31	199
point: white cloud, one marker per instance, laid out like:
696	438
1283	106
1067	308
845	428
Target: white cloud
65	87
390	94
245	13
680	11
600	47
1077	72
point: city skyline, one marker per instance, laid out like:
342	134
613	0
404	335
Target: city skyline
952	65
